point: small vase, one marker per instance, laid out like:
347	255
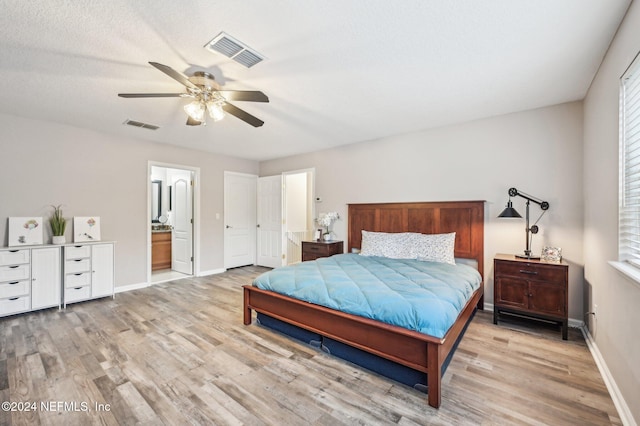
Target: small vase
326	237
58	239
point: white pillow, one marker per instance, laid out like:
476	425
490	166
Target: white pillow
436	247
392	245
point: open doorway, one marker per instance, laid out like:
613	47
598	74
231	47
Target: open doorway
285	217
298	212
171	232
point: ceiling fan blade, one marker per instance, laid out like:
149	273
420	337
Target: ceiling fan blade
192	122
242	115
244	95
180	78
153	95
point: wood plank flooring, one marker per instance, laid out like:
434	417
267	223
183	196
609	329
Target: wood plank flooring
178	353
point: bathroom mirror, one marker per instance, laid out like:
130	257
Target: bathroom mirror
156	200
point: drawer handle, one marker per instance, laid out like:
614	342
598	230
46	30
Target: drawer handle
14	298
78	274
14	283
312	248
77	260
524	271
13	251
77	288
13	267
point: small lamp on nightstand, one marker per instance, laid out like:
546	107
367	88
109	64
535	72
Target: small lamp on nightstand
509	211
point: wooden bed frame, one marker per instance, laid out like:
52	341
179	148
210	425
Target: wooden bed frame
416	350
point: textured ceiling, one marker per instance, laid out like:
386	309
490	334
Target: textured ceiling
337	71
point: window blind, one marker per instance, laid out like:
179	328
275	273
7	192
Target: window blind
629	209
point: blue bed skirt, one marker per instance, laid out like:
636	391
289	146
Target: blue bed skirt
384	367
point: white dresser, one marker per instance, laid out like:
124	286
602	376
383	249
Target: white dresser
30	279
88	271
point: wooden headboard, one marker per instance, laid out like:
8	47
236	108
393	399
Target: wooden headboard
465	218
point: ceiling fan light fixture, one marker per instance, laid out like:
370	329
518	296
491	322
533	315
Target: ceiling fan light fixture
195	110
215	111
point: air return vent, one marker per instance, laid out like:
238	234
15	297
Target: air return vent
141	124
234	49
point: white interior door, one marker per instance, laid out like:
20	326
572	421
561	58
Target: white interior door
240	191
269	251
182	235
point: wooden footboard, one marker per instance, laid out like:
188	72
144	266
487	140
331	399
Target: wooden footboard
410	348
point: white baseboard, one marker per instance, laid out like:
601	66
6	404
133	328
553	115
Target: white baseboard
122	289
621	405
130	287
211	272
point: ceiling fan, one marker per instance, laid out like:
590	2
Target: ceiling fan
207	97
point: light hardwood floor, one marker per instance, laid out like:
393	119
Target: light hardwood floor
177	353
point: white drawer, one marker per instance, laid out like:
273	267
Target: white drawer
14	273
14	289
77	293
14	257
77	265
77	252
78	279
15	305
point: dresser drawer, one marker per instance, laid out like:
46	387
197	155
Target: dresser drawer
319	249
14	273
76	294
78	279
77	265
15	305
14	289
77	252
531	271
14	257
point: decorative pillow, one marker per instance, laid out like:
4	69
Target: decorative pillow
436	247
398	245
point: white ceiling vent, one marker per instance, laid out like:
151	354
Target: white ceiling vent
234	49
141	124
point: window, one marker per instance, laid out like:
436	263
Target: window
629	209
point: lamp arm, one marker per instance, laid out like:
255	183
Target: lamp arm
513	192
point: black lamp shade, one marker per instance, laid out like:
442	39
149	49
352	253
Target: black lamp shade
509	211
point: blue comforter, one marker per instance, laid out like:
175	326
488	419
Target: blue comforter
417	295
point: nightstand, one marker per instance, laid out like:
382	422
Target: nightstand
531	288
312	250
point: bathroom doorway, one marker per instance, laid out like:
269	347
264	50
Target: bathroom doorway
172	231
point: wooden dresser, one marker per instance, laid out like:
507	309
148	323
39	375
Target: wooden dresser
311	250
531	288
160	250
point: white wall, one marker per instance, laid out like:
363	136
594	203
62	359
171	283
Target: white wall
94	174
616	328
538	152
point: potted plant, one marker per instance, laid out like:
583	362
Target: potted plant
58	225
326	220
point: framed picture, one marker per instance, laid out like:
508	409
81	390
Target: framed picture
551	254
86	229
318	234
25	231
